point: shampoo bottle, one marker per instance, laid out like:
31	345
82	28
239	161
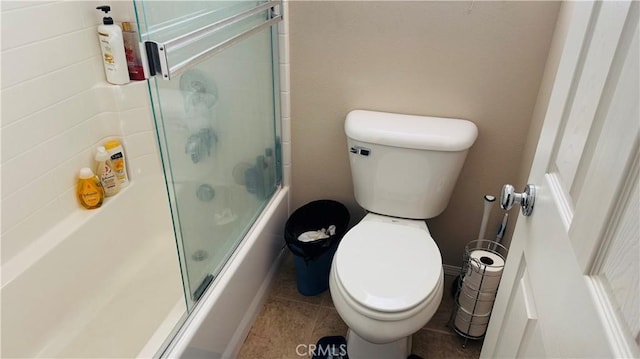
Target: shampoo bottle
132	52
116	153
89	191
106	173
112	45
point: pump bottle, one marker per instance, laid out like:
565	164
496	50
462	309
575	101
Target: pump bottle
112	45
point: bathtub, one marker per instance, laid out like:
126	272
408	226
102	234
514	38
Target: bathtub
107	283
83	289
221	320
212	227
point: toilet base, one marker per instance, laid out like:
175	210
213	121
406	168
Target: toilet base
358	348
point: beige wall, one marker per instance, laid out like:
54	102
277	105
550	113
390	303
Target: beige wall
482	61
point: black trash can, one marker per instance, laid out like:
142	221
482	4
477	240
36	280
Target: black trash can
313	259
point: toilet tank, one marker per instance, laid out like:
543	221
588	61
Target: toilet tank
405	165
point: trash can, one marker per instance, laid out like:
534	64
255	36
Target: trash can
313	257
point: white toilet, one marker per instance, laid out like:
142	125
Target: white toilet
386	278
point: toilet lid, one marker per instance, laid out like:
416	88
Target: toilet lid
388	267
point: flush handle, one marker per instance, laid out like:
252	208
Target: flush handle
509	197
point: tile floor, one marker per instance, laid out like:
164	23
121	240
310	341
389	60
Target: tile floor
289	319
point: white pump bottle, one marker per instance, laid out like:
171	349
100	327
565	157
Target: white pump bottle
112	45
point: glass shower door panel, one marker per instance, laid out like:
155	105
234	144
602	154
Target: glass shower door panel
216	129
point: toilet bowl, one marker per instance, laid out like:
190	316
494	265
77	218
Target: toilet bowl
386	293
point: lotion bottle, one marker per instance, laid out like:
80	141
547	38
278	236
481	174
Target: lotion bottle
112	46
116	153
89	191
106	173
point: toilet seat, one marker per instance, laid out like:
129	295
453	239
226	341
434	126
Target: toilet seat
386	268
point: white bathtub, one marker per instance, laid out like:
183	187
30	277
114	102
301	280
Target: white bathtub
99	284
106	283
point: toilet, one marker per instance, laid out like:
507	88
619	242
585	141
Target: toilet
386	277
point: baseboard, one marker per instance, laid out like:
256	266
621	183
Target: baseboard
451	270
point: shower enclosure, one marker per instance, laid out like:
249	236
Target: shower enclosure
106	283
214	97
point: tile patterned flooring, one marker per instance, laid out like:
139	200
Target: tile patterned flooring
289	318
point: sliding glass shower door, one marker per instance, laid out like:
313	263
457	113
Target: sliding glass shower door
215	99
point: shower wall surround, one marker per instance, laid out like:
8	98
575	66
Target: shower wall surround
56	107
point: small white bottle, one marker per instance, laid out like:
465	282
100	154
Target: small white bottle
112	45
116	153
106	173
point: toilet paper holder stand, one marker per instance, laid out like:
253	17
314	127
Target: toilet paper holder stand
481	273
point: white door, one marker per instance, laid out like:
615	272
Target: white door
570	288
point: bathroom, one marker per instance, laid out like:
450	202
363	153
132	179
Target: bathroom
492	63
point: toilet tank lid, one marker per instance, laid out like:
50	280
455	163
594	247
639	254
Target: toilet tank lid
410	131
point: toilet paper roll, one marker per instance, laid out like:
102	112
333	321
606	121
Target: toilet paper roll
473	330
471	325
476	302
462	316
484	270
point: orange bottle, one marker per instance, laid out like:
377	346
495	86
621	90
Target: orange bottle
89	190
